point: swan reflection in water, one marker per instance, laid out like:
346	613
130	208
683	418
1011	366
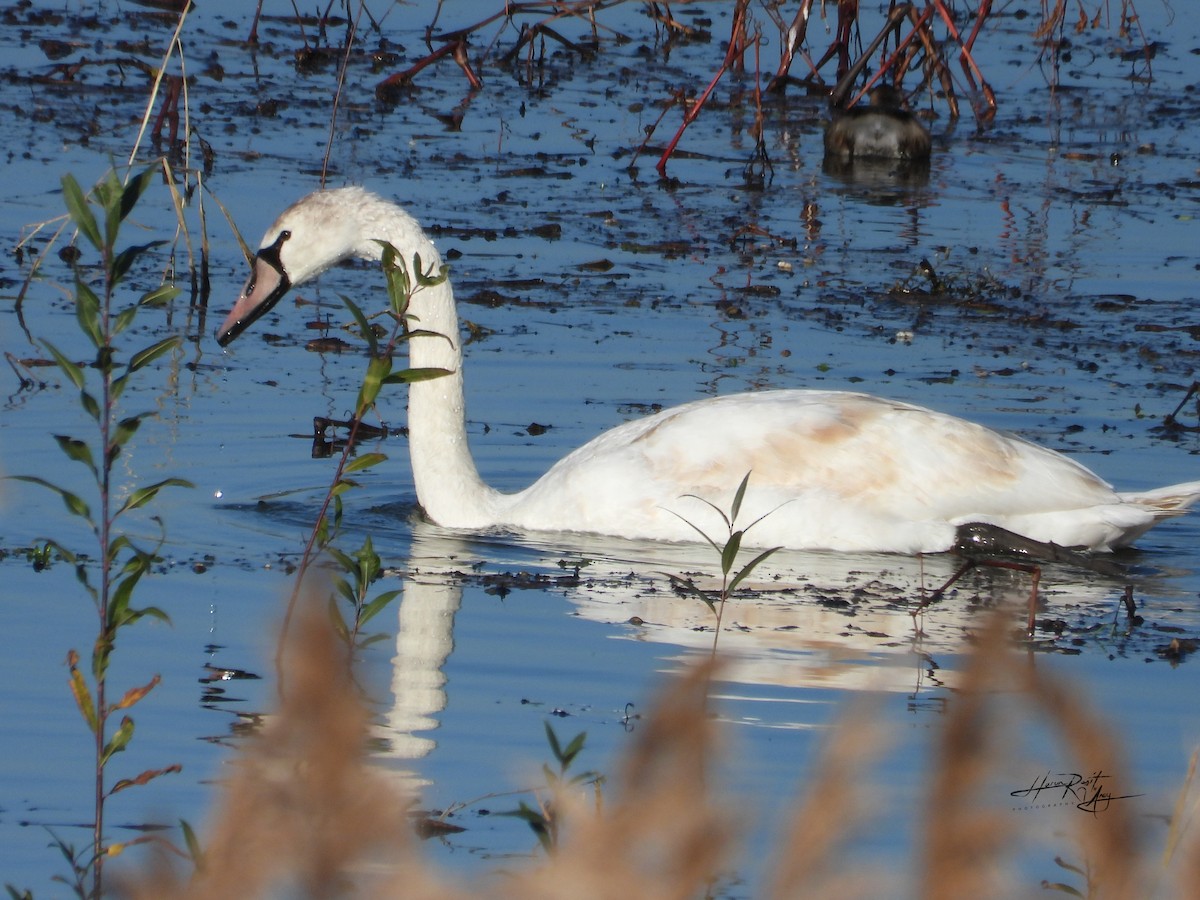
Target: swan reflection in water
811	628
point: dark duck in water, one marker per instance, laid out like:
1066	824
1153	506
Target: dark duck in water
882	130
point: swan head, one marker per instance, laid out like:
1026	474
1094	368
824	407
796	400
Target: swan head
310	236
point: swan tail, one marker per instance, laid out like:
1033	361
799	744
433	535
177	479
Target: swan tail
1166	502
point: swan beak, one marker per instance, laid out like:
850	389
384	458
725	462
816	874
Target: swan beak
264	288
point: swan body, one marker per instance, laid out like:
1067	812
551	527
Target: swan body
830	470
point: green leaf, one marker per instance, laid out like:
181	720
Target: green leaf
574	748
124	319
119	612
123	261
538	822
377	370
108	192
78	451
344	561
72	371
81	575
119	740
343	485
80	212
376	605
144	495
686	586
72	502
192	843
117	544
153	352
365	462
429	279
339	623
89	403
408	376
737	499
750	567
552	740
87	312
342	586
160	296
424	333
364	326
127	428
730	551
368	563
720	512
399	285
134	189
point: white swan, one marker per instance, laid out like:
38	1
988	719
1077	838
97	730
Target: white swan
830	469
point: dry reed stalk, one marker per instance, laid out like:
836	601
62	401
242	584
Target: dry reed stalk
968	838
301	814
807	861
665	835
965	837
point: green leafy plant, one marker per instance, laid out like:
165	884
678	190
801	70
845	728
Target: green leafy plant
112	574
364	566
727	552
543	819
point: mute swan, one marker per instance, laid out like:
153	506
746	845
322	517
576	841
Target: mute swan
830	469
882	130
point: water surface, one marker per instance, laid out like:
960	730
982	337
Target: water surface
1067	231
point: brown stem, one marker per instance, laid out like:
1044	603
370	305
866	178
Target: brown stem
796	34
455	48
736	45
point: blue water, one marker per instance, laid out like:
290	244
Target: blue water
1081	265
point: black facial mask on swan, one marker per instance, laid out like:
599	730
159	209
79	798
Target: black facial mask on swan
266	286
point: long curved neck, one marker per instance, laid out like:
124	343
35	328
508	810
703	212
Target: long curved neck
448	484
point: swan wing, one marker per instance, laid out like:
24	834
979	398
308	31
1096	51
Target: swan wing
829	470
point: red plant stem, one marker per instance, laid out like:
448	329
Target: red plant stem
169	111
735	47
104	637
846	79
918	24
968	60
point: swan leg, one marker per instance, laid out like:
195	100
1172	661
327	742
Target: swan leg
980	544
1034	571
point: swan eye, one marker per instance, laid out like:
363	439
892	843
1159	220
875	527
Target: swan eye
271	255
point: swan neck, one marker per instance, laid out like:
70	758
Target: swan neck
448	484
